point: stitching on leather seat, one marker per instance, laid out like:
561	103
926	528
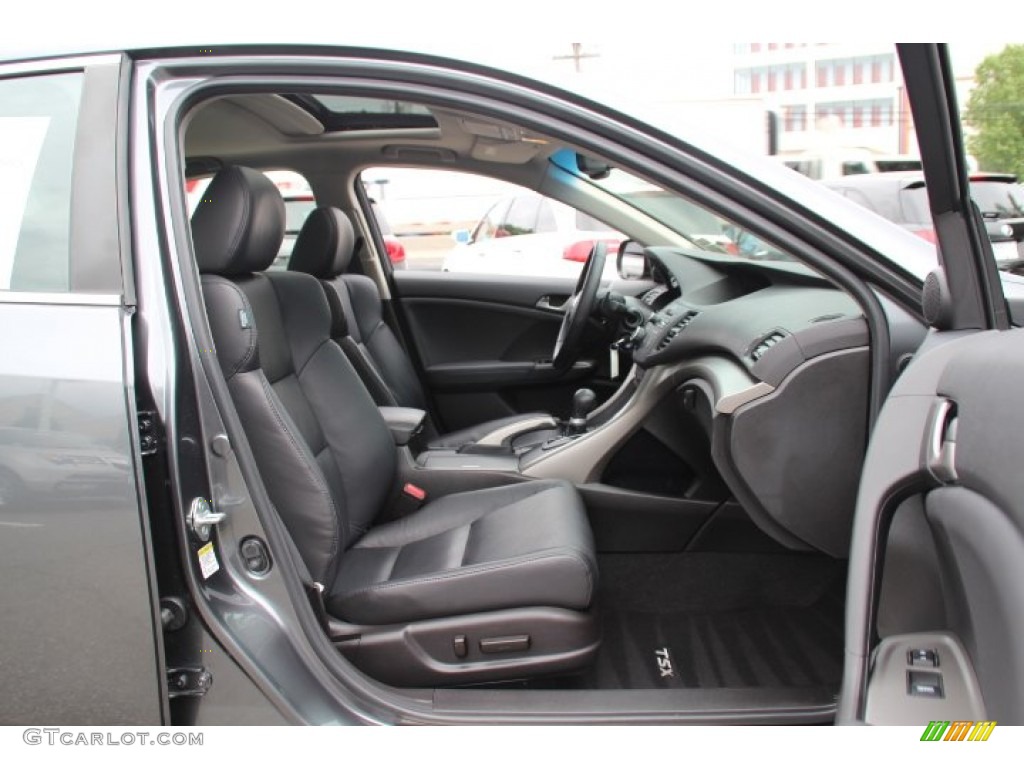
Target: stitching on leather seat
251	347
299	445
458	523
497	565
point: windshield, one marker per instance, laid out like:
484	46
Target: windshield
995	199
998	199
707	230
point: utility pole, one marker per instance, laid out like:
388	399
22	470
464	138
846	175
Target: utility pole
577	55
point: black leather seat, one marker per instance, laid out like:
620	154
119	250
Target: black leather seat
324	249
476	586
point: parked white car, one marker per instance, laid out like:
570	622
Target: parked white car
530	234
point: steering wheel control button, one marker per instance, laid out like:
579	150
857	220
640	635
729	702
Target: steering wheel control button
922	657
925	684
505	644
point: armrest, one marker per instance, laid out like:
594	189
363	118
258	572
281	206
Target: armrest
404	423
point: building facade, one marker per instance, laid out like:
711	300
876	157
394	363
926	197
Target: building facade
828	95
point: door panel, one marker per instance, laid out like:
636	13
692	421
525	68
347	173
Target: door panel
79	643
948	442
952	439
485	344
81	633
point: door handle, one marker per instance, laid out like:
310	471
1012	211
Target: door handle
545	302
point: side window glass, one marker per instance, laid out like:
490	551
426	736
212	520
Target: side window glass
470	224
522	217
491	224
546	218
38	119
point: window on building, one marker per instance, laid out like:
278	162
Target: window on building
794	117
861	113
886	69
858	116
741	82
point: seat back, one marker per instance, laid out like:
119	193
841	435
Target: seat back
322	448
324	249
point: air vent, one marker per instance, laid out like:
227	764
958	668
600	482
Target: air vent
675	330
766	343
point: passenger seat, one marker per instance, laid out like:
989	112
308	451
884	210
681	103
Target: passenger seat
474	587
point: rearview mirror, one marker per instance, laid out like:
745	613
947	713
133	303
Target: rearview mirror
461	236
593	168
632	261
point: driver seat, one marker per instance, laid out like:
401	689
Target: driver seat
324	249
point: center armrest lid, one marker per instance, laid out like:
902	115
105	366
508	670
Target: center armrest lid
404	423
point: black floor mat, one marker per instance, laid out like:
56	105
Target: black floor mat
719	621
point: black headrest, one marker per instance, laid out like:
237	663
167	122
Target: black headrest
238	226
325	244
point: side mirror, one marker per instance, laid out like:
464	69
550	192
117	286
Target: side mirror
632	261
461	236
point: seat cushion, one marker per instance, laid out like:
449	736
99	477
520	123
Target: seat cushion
518	546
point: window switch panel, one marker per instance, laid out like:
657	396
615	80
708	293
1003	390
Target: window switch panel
922	657
925	684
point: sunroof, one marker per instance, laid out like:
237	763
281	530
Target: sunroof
357	113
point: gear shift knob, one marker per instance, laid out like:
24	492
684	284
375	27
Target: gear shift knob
583	402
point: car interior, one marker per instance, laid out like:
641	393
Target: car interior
537	483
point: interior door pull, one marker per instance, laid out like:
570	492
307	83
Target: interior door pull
552	303
940	442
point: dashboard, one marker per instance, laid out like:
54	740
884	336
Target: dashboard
769	317
773	361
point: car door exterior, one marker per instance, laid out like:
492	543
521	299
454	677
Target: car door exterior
81	641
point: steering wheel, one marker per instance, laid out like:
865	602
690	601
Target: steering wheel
578	308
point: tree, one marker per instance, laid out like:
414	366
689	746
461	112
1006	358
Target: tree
995	110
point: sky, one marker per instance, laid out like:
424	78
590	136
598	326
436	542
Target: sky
523	35
647	50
